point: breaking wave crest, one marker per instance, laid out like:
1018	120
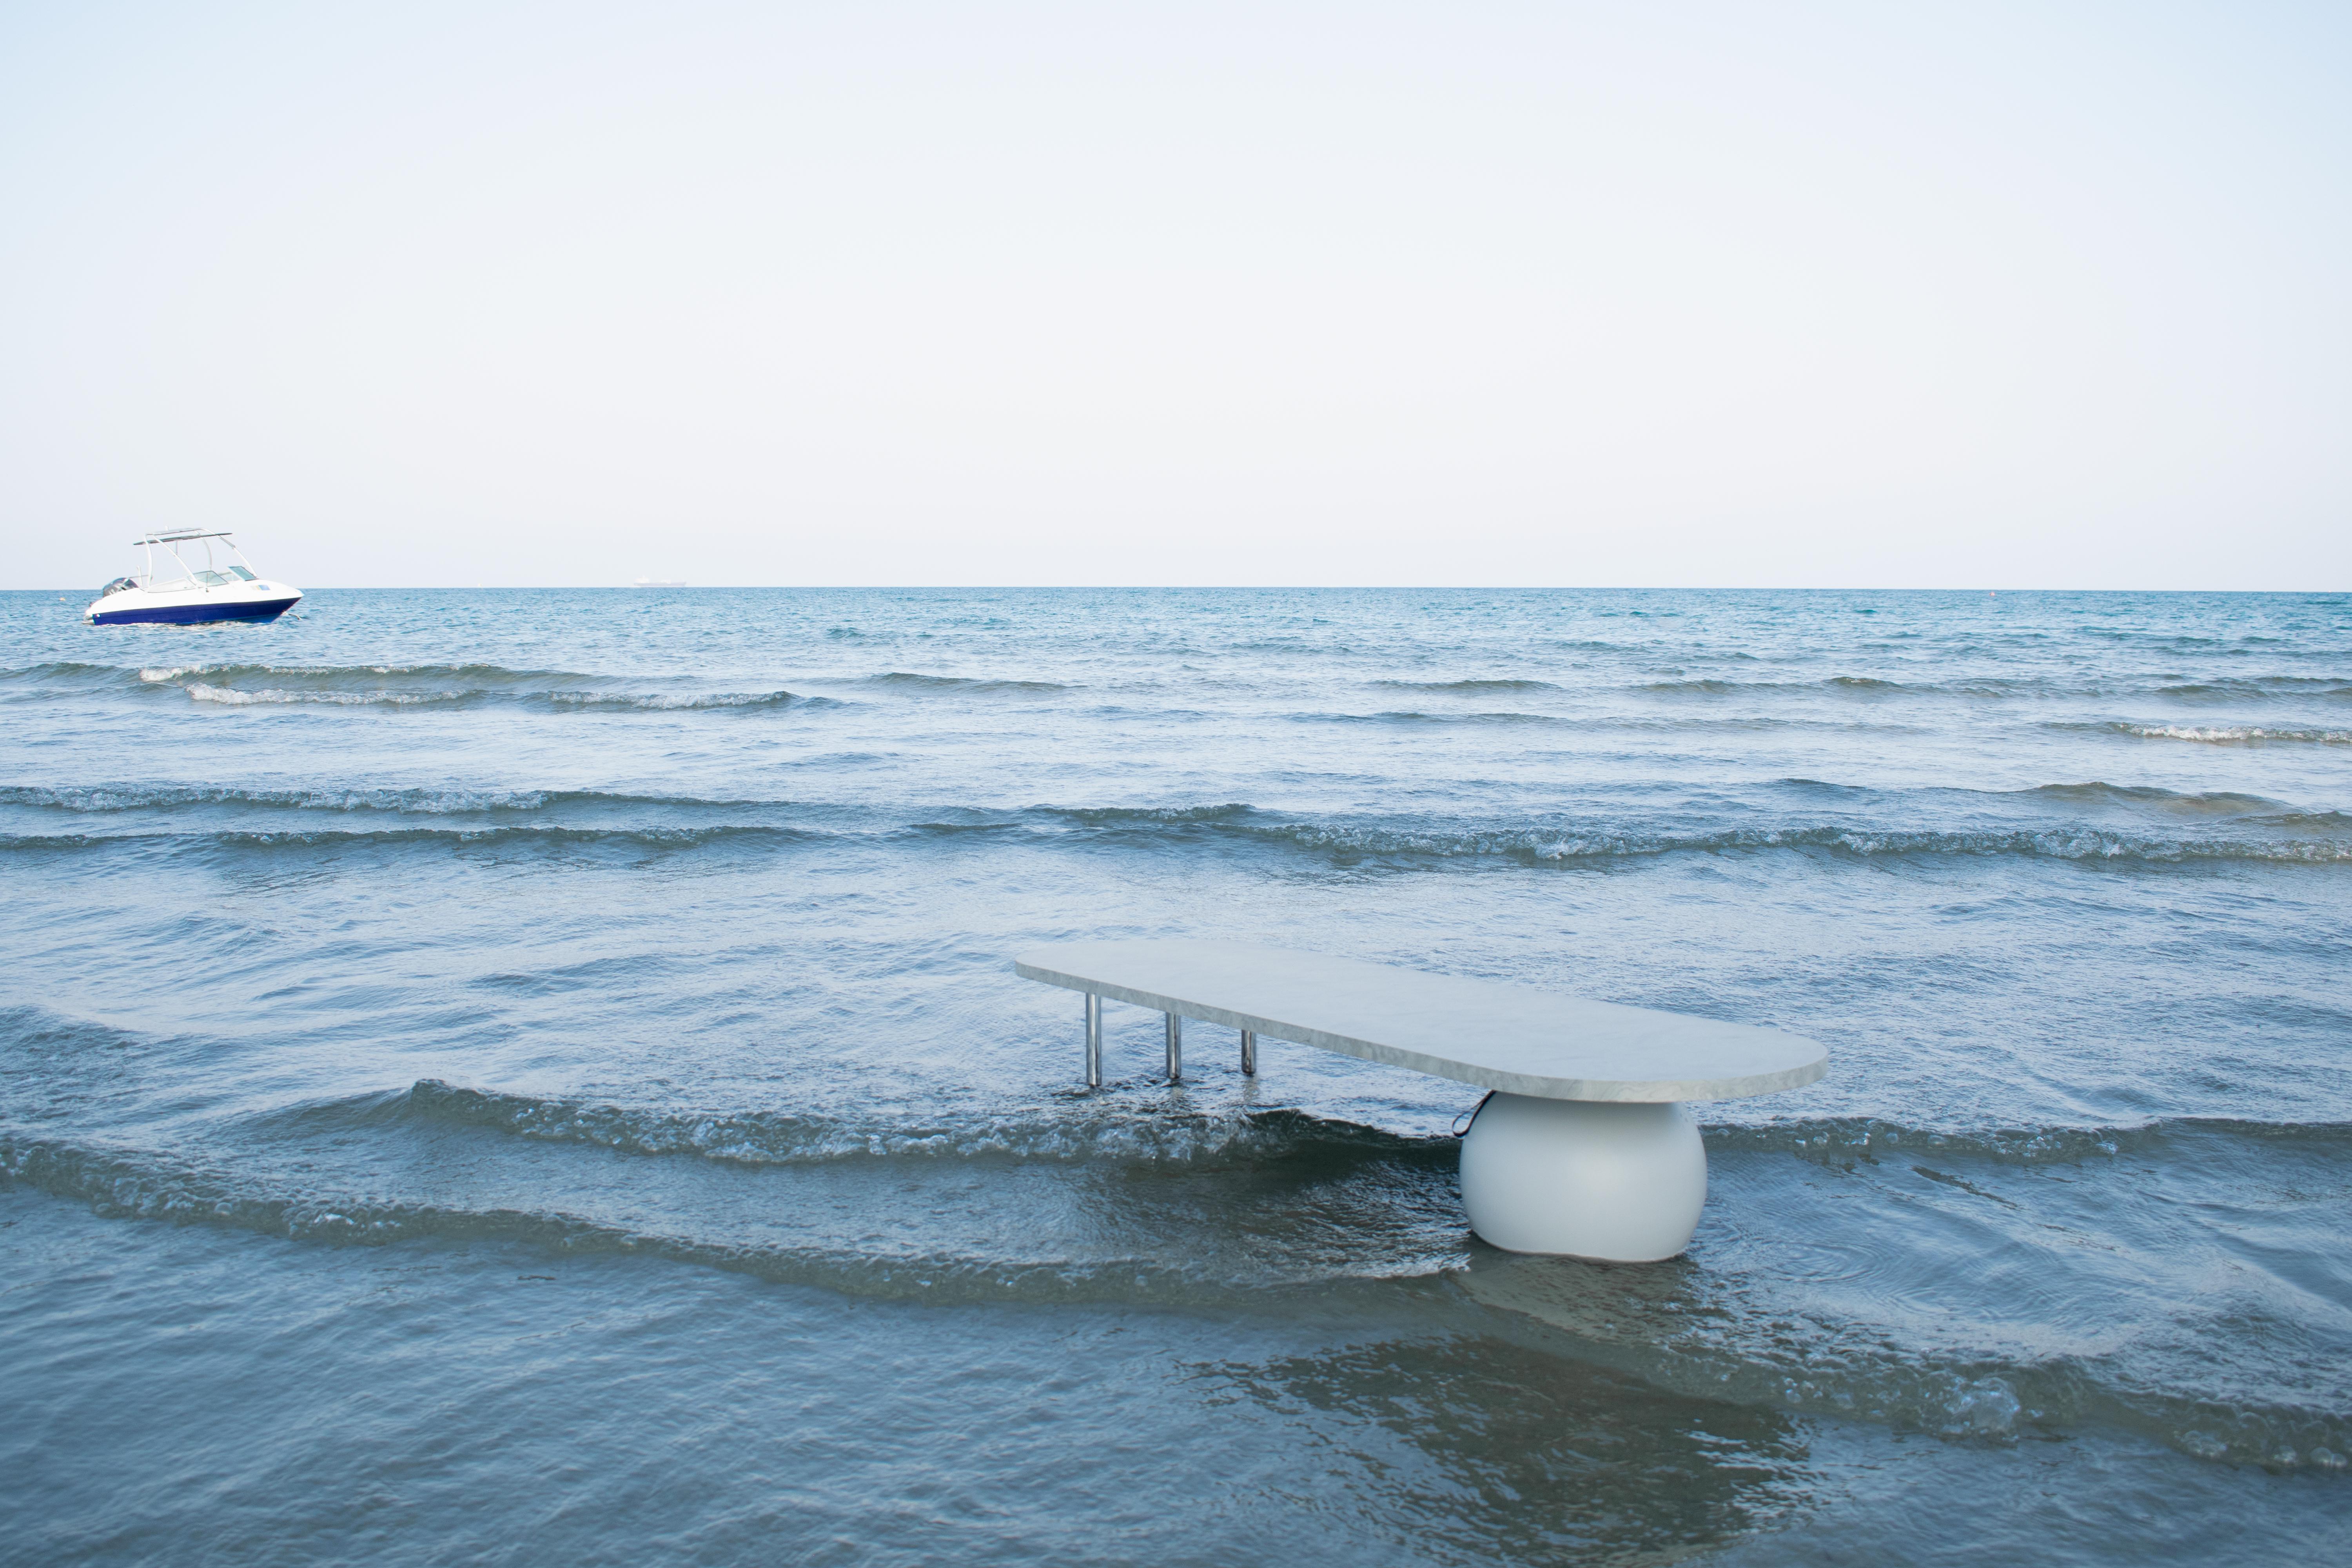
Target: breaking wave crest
771	1138
1147	1136
2232	734
1137	1135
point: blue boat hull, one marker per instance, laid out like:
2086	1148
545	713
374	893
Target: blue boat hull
197	614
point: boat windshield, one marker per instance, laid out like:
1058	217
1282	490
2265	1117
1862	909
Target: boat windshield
211	579
243	571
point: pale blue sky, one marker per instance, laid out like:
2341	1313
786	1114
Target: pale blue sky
1870	295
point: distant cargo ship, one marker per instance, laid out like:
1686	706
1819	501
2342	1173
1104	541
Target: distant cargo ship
659	583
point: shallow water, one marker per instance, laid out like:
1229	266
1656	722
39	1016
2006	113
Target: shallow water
520	1075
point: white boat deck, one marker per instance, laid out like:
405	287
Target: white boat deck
1511	1038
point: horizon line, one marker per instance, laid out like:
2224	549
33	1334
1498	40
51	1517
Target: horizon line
1224	587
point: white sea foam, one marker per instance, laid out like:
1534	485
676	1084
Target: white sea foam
233	698
2239	735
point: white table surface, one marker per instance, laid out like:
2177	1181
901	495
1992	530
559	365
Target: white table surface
1508	1037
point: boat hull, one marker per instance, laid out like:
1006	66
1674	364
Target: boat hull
196	613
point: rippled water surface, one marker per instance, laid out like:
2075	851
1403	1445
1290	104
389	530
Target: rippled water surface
536	1077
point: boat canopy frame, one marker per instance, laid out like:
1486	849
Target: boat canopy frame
211	576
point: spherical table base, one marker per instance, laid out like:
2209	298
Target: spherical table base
1619	1182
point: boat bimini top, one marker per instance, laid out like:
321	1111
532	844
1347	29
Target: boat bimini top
220	590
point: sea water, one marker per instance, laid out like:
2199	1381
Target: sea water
525	1077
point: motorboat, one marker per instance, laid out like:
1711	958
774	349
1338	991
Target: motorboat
219	590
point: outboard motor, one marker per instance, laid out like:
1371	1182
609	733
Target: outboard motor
118	585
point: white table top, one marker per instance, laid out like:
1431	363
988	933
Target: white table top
1482	1032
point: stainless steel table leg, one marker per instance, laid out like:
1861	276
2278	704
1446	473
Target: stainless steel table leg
1249	1053
1094	1041
1175	1049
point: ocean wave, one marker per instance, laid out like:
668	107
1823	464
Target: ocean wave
104	798
127	1185
451	801
528	835
1149	816
609	701
1644	724
1702	687
1114	1135
905	681
2292	836
1468	688
2228	734
2259	689
399	685
393	685
1410	717
1847	685
2247	828
2329	687
482	677
1741	1350
273	697
1569	846
458	799
667	702
33	681
2156	799
444	684
1836	1138
1684	724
